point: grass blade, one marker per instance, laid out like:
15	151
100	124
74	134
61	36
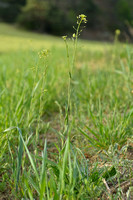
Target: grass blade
29	155
43	173
19	161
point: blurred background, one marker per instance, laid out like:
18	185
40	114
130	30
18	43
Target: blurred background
57	17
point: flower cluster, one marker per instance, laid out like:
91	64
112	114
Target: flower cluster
44	53
81	19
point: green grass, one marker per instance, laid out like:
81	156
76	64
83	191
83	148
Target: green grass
33	106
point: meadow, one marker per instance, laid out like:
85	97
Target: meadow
65	133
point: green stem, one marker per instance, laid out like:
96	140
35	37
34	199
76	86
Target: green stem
69	108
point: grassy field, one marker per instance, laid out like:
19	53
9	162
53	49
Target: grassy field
65	135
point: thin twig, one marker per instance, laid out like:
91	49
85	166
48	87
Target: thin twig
108	189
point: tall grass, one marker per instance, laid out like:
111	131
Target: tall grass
83	101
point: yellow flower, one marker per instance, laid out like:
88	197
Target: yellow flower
82	16
64	37
117	32
74	35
